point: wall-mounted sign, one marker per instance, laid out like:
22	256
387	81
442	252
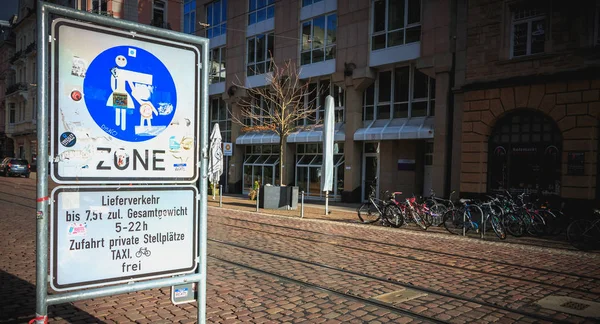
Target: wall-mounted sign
124	108
576	163
406	165
227	149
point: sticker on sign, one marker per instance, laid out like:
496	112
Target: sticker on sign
105	235
124	108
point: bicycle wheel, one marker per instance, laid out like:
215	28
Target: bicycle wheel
425	215
578	234
538	224
418	219
393	214
453	221
437	214
497	226
368	213
514	224
553	226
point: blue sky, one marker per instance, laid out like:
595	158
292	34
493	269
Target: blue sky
8	8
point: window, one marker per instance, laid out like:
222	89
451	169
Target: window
99	6
261	163
260	10
316	94
260	53
21	115
189	16
318	39
401	93
259	106
309	159
216	18
597	27
11	113
309	2
395	22
158	14
217	65
220	114
528	30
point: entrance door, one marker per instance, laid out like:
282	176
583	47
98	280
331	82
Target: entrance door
428	169
370	171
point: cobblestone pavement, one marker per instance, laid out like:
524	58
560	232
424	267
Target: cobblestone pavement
277	268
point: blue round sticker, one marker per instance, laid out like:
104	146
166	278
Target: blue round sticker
129	93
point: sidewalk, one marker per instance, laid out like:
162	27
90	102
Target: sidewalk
312	209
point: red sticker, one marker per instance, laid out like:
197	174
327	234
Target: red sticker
76	95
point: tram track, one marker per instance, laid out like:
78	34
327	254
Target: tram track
421	249
383	280
367	301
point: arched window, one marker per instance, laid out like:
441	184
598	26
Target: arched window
525	154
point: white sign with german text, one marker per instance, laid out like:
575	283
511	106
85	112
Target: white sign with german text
106	235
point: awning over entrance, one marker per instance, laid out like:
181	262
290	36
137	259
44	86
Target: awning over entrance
257	138
395	129
315	134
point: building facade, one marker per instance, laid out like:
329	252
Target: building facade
7	80
526	100
20	80
388	65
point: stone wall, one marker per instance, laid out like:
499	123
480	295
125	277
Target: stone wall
573	105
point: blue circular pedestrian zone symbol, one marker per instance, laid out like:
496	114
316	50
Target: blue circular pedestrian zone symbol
129	93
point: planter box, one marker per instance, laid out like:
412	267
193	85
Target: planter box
275	197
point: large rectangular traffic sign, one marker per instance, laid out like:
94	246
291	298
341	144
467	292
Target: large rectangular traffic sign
106	234
124	106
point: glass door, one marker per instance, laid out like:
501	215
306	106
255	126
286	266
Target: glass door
370	172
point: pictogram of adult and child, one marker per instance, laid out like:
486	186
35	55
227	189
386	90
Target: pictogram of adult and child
138	82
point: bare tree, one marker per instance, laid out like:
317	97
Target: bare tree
284	106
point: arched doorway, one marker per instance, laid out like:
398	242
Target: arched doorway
525	154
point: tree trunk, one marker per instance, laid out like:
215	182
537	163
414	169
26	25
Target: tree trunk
281	161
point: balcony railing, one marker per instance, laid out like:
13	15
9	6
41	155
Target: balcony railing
160	24
30	48
16	87
15	57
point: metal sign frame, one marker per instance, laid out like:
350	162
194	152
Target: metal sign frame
43	299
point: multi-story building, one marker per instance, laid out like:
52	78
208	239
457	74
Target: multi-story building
7	80
527	103
387	63
20	115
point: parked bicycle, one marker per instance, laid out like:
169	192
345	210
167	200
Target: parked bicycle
374	208
584	234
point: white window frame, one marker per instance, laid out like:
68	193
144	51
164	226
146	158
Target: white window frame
216	30
189	17
541	15
260	102
326	46
12	113
268	56
386	31
99	9
269	6
430	99
164	12
222	105
220	70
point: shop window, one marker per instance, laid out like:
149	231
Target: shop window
400	93
260	54
309	160
318	39
216	18
395	22
260	10
217	65
261	163
525	154
189	16
528	34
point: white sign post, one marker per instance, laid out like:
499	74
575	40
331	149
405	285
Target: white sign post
124	109
106	235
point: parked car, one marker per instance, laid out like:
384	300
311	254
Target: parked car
15	166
